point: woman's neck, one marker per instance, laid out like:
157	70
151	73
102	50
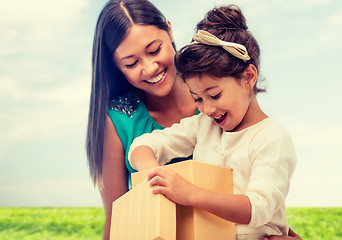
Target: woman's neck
174	100
173	107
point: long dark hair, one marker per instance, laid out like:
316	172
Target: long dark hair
228	24
115	20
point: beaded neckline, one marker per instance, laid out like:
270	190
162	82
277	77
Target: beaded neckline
125	104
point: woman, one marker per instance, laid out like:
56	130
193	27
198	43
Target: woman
135	89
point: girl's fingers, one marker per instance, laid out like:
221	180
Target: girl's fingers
160	171
158	190
157	181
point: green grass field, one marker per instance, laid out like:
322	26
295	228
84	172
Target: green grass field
87	223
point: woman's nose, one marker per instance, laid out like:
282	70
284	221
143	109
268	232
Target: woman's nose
150	67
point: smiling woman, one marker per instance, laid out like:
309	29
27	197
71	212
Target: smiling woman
135	89
145	57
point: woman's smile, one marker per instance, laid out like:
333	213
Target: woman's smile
158	78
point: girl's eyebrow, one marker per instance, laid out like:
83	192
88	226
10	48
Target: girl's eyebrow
205	90
147	46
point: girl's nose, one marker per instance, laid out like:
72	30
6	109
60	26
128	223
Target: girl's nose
209	109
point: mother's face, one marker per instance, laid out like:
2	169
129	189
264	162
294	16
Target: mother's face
146	58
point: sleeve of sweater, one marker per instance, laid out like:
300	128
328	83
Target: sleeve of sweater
176	141
273	160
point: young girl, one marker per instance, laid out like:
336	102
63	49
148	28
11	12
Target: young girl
220	69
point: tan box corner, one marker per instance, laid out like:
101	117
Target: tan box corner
193	223
141	215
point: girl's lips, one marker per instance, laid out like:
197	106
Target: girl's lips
220	119
157	78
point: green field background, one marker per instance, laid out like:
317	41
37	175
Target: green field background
87	223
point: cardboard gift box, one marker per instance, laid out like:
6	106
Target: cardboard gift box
140	214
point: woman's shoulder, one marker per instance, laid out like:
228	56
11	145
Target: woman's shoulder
130	116
125	105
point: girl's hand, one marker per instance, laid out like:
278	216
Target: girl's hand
172	185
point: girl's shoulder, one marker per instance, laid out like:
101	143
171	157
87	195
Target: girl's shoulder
270	130
268	124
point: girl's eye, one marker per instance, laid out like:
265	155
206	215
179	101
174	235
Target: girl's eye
131	65
198	99
155	51
217	96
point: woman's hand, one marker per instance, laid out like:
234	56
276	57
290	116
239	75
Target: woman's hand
292	236
173	186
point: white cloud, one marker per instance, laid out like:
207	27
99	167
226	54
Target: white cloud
314	135
311	3
46	110
67	191
328	36
336	18
33	24
40	75
254	9
317	175
56	113
73	93
315	188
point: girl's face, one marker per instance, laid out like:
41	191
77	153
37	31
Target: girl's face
146	58
225	100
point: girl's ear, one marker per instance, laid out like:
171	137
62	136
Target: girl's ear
250	75
170	30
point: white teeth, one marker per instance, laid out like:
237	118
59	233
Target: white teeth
157	78
217	118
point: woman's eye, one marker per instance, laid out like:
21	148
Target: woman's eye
131	65
217	96
156	51
198	99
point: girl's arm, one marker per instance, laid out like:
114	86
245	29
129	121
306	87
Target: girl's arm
142	157
159	147
114	173
235	208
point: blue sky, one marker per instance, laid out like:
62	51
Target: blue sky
45	75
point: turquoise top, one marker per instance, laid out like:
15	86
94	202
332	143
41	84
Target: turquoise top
131	119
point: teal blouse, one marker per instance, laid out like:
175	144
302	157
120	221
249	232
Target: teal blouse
132	119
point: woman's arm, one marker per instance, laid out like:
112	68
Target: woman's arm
292	236
114	173
235	208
